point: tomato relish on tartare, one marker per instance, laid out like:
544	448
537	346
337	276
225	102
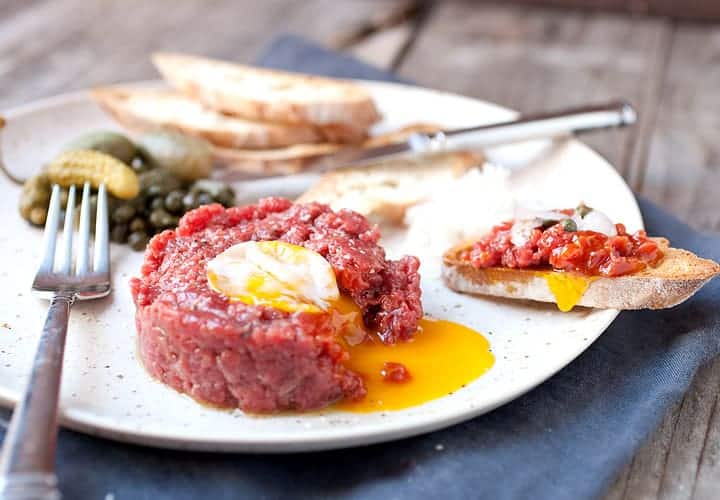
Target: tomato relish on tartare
581	240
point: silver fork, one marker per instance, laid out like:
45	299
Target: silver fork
27	463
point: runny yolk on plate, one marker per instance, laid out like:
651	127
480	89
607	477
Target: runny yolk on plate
442	357
567	287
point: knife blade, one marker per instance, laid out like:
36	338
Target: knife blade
579	120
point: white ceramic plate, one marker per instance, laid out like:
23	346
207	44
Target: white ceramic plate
105	390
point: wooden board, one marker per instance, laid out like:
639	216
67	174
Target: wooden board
683	159
52	47
698	9
544	59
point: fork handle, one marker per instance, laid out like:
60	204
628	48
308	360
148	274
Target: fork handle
27	463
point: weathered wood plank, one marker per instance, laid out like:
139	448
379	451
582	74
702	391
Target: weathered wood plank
696	9
707	483
641	478
382	49
617	489
537	59
104	42
683	167
635	162
9	8
689	435
401	12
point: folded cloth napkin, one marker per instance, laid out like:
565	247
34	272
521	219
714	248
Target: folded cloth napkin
564	440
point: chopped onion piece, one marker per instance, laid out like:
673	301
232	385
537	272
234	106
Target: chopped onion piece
522	229
595	221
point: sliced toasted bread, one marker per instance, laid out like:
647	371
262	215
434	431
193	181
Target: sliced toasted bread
678	276
280	161
295	158
142	109
384	191
268	95
340	132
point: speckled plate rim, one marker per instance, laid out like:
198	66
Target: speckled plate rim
318	439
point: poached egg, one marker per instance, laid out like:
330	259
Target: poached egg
274	274
442	357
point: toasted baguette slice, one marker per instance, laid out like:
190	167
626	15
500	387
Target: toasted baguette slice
678	276
268	95
384	191
141	109
294	159
266	162
340	132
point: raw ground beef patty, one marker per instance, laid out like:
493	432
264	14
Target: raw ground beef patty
230	354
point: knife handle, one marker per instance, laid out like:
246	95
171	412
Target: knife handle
528	127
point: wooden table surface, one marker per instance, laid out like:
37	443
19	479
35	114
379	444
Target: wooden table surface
527	58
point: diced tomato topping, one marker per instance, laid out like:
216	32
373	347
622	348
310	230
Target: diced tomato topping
585	252
396	373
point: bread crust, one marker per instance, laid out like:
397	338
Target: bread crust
385	190
268	95
147	109
280	161
296	158
678	276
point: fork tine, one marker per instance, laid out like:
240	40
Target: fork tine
83	250
51	230
101	263
68	230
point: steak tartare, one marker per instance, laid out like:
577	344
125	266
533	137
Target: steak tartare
230	354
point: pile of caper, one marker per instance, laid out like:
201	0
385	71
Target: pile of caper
171	169
163	199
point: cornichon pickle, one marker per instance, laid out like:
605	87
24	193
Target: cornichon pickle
111	143
188	157
77	167
35	198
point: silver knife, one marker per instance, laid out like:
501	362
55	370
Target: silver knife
527	127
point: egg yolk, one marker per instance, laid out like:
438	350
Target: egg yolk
275	274
567	288
441	358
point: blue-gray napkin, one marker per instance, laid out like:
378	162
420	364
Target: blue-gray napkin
564	440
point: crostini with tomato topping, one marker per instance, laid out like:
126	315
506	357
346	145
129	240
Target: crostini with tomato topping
576	257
